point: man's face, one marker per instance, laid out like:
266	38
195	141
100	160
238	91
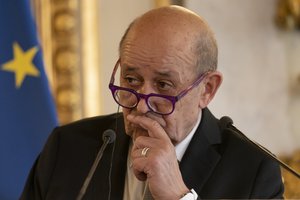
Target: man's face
151	64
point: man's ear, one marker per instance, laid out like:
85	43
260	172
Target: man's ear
212	82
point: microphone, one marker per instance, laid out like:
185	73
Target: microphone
227	123
108	136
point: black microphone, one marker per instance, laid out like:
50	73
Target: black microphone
227	123
108	136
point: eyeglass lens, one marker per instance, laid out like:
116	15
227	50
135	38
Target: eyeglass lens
157	104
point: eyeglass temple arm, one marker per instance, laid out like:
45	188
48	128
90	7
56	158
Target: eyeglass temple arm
197	82
112	78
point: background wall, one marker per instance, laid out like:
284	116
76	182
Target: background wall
260	64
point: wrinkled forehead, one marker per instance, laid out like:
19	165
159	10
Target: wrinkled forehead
157	56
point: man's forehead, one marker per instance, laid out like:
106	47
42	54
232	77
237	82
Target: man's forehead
164	71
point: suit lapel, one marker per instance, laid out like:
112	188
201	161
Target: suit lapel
201	156
119	161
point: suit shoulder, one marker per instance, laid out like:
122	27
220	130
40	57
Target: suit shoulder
95	120
92	125
242	146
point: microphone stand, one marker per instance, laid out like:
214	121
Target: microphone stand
227	123
267	152
108	136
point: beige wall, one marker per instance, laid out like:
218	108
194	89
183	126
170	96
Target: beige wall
255	57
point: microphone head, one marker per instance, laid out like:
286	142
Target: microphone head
225	122
110	135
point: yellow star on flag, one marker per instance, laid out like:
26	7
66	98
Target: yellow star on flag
22	64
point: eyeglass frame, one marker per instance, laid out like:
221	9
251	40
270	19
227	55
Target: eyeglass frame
172	99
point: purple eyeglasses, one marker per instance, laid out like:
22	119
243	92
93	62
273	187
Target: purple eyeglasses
157	103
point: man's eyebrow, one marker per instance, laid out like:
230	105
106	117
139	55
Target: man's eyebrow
165	73
168	74
162	73
129	68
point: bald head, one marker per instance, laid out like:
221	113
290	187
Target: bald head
177	28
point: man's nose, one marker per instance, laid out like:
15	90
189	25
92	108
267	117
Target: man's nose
142	106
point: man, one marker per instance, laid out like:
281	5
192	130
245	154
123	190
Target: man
177	149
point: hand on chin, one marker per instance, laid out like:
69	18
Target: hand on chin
138	131
135	130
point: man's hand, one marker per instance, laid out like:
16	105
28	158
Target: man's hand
159	166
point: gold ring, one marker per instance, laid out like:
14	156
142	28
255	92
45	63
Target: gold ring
144	151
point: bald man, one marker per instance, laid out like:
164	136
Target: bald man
168	144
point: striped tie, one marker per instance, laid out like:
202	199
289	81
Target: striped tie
147	193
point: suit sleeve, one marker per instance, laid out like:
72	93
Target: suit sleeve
268	183
41	172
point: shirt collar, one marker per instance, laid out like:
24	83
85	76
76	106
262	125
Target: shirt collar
181	147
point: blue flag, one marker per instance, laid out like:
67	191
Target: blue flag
27	113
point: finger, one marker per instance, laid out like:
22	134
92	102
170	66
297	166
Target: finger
154	129
145	141
140	170
140	175
141	152
136	153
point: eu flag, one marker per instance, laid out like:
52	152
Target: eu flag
27	113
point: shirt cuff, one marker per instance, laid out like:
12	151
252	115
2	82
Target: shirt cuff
191	195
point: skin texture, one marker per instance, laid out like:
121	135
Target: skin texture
158	56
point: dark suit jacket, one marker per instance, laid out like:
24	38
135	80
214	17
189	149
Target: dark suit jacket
217	163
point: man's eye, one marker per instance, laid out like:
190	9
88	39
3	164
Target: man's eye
164	85
131	80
